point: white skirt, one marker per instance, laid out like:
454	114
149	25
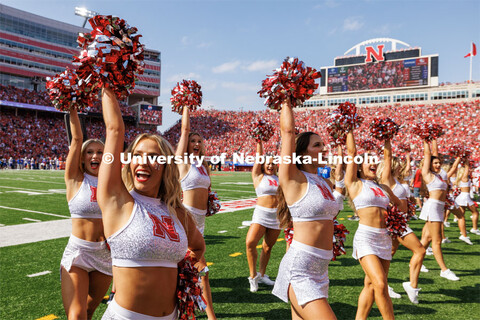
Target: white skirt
369	240
433	211
408	230
266	217
116	312
199	217
464	200
305	268
87	255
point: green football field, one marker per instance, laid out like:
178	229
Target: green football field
29	197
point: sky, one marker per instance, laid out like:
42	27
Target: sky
229	46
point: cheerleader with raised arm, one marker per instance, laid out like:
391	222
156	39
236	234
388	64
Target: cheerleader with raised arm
463	200
372	245
148	229
264	221
389	174
195	182
433	210
308	201
86	266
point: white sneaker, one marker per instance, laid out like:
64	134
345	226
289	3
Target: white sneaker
466	240
393	294
411	292
446	240
424	269
448	274
265	280
446	224
475	231
429	251
253	283
455	219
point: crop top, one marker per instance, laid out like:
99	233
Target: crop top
437	183
196	177
84	202
372	195
268	186
150	238
464	184
399	190
318	202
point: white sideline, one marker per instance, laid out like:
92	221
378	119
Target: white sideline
34	232
26	210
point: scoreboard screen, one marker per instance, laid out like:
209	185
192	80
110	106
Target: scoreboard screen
378	75
150	114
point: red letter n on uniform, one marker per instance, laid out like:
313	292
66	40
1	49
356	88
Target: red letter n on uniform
164	226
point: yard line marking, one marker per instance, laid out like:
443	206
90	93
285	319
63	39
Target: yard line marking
49	317
38	274
236	254
242	227
27	189
245	191
246	223
30	219
280	239
209	264
30	193
2	225
30	180
341	218
46	213
349	216
237	183
222	231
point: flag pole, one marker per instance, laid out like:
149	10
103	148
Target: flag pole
471	57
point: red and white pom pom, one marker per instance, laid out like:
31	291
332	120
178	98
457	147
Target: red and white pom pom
187	93
368	145
213	203
411	209
288	232
293	80
66	90
112	53
189	292
461	151
383	129
427	131
262	130
339	236
404	148
342	120
396	221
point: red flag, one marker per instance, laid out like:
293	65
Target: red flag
473	51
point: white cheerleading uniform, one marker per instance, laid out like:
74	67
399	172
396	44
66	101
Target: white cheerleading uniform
305	267
370	240
152	237
266	217
86	255
196	178
463	198
434	210
401	193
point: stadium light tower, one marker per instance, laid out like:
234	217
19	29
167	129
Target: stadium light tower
87	14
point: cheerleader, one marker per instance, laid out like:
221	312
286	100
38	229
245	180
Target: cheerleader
195	182
372	245
463	200
433	210
264	220
308	201
148	229
388	175
86	266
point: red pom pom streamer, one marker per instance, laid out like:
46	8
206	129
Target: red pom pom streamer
383	129
262	130
452	193
396	221
339	235
213	203
112	53
187	93
411	209
404	148
189	292
67	90
368	145
293	80
288	232
427	131
342	120
461	151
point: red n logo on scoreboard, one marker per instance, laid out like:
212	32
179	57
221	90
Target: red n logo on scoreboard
377	54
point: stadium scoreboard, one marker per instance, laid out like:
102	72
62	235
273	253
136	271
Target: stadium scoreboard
377	70
150	114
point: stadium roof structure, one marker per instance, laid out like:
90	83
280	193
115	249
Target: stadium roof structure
393	42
